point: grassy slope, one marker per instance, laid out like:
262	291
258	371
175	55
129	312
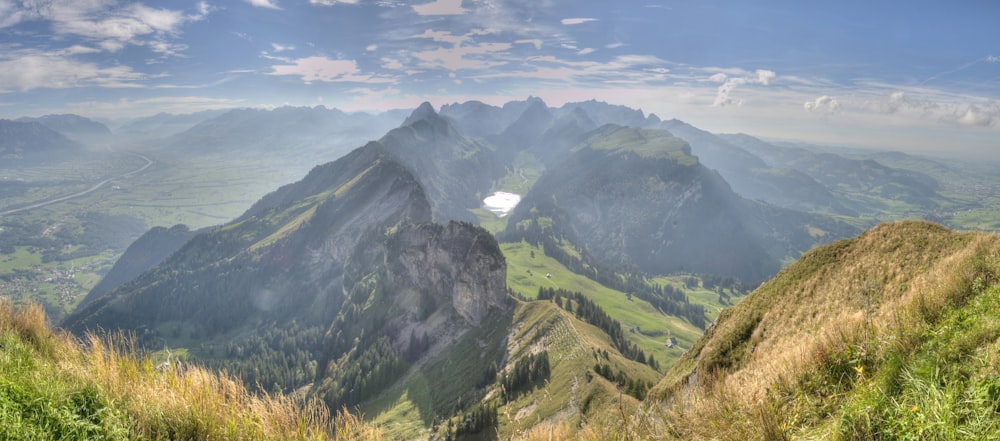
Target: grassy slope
891	335
570	394
654	144
52	387
655	327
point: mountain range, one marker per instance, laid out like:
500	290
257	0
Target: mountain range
368	283
32	142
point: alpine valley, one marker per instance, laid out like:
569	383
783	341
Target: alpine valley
653	280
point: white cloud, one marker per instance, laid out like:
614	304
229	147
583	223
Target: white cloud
576	21
440	7
724	94
949	109
282	47
269	4
765	76
626	69
587	50
371	48
166	48
203	10
457	58
392	64
11	13
323	69
332	2
118	28
107	24
29	69
614	45
825	104
443	37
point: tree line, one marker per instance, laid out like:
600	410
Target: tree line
588	311
630	280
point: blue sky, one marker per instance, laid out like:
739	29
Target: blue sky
916	75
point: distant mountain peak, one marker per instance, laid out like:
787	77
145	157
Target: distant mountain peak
423	112
428	123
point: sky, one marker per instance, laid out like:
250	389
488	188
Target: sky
920	76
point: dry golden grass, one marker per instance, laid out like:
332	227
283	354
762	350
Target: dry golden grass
857	296
175	402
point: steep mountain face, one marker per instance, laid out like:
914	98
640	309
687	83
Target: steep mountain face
454	171
32	141
283	258
146	252
864	338
461	264
409	298
637	197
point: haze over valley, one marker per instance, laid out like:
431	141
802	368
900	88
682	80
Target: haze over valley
497	220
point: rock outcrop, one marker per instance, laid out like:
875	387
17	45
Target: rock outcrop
458	263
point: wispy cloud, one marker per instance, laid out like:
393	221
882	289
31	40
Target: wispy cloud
323	69
626	69
268	4
107	25
440	7
443	36
332	2
724	94
282	47
462	57
29	69
576	21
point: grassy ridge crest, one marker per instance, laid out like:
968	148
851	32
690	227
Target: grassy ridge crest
55	387
890	335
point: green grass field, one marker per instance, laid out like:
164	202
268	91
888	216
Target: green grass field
525	274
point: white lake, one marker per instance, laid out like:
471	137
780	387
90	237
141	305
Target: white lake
501	203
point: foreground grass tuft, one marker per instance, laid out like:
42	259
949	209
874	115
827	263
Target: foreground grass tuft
894	335
53	387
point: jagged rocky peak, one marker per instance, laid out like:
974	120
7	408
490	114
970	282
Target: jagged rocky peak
457	263
427	122
423	112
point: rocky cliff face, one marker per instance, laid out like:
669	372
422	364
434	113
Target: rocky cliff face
458	264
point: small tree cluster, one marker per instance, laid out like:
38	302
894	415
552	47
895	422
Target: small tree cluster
527	372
